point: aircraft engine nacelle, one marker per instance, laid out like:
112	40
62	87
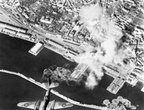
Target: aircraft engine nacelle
41	105
37	105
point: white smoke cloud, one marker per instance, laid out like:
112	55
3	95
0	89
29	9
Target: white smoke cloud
91	81
109	47
90	15
95	68
105	33
92	61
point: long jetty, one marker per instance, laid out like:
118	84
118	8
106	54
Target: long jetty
54	91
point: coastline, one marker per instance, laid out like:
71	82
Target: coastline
14	56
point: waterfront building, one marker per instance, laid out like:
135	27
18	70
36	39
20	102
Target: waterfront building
79	71
36	48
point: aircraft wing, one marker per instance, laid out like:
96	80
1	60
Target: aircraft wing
39	105
60	105
29	105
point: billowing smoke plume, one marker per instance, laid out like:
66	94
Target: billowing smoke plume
91	81
90	16
93	63
107	35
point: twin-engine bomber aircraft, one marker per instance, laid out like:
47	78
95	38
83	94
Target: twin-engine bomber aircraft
46	104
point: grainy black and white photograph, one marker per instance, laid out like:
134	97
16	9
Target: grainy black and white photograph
72	54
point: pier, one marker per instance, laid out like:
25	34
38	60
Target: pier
54	91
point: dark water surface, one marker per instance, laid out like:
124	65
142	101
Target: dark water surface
14	56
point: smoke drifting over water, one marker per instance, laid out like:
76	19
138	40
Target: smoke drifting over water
91	81
107	35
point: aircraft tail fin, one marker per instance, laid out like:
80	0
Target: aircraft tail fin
53	85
